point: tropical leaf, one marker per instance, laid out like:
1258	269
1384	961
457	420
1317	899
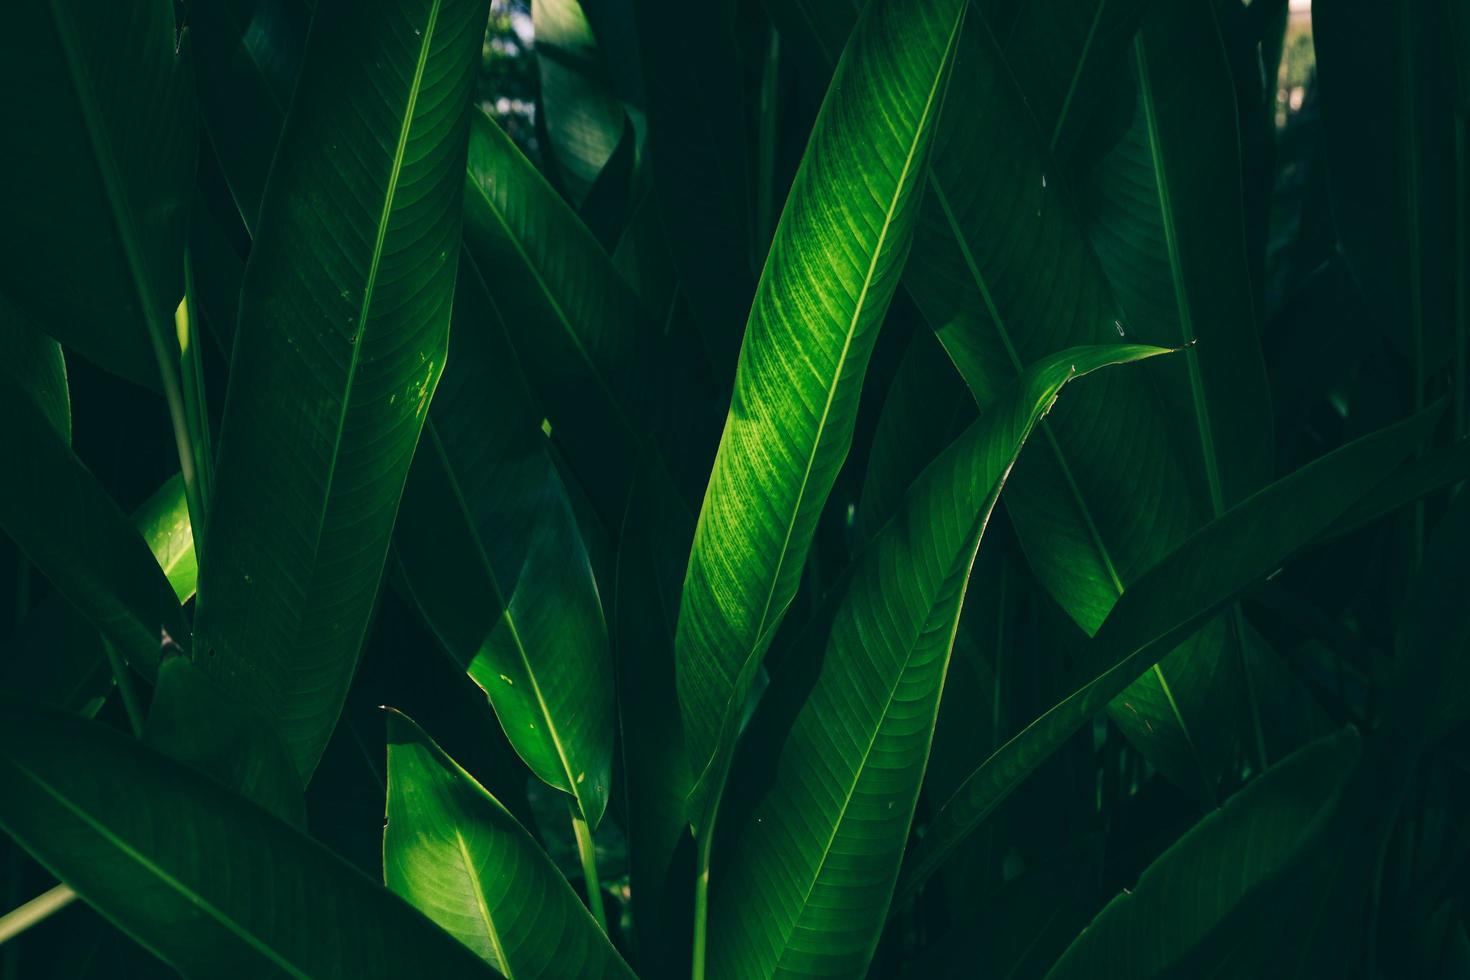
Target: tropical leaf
97	183
1210	569
1196	883
33	362
457	855
492	557
828	833
850	215
357	323
211	884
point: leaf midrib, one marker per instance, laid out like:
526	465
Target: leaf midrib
920	132
981	521
510	620
237	929
360	334
490	931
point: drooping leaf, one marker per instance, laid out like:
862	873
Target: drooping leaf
79	538
832	269
1210	569
813	868
1004	274
98	176
458	856
1195	884
344	319
209	883
1164	214
492	556
579	110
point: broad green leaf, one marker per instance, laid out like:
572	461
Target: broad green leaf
810	876
1199	577
344	319
572	320
79	538
96	180
492	557
833	266
33	362
249	54
653	548
209	883
1003	272
192	719
1193	885
458	856
582	117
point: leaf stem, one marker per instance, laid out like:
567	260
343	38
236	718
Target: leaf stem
125	688
34	912
588	852
705	845
191	365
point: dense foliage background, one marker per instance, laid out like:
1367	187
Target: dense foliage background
908	488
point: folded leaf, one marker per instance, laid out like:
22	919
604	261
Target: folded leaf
96	183
457	855
344	319
1210	569
211	884
831	272
811	873
492	556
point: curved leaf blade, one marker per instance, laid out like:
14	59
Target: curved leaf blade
810	878
1210	569
209	883
456	854
493	558
344	318
831	272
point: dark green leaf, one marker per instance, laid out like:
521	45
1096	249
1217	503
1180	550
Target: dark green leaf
209	883
346	305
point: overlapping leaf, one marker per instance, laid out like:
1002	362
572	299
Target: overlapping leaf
344	318
811	874
456	854
832	269
493	558
1209	570
209	883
